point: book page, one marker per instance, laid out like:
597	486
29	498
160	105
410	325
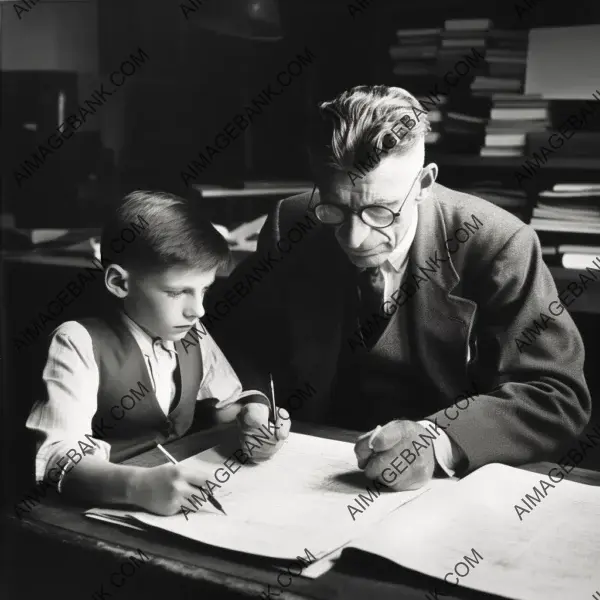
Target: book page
296	500
550	551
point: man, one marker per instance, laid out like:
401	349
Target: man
389	295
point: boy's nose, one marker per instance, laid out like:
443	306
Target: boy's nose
195	310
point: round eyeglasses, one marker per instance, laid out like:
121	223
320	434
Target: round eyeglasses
375	215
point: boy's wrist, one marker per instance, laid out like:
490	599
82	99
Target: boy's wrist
134	482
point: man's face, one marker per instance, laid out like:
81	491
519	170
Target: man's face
387	185
167	303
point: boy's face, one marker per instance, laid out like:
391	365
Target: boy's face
169	302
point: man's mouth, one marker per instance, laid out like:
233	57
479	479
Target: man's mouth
362	252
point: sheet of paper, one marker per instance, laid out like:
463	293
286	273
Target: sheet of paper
553	553
294	501
560	64
328	562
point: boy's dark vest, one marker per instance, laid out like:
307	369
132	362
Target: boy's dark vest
129	417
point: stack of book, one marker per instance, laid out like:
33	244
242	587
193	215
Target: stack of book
460	38
512	118
435	116
465	117
492	82
415	63
569	208
415	54
464	127
506	59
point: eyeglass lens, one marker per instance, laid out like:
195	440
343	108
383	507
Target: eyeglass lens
376	216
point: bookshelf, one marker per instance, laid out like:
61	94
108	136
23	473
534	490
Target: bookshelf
511	162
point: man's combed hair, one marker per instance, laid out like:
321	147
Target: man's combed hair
154	230
363	118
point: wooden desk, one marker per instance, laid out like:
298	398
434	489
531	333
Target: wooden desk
86	552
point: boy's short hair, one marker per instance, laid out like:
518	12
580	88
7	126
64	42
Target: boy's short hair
156	230
361	118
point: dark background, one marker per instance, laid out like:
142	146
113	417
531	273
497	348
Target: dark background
193	83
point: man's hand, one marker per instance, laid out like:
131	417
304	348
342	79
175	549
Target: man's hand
392	459
253	419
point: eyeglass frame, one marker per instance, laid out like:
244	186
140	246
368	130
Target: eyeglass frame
359	212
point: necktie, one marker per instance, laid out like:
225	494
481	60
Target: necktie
371	284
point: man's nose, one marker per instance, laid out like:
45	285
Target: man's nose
355	231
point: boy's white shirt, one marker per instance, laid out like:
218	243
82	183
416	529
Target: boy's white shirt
72	379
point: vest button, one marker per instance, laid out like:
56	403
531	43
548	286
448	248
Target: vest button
169	428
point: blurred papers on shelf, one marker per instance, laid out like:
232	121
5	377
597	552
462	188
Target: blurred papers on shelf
512	200
568	208
576	256
244	237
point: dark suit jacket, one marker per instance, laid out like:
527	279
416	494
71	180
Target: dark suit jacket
482	297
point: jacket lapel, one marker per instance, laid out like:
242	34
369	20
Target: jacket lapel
440	322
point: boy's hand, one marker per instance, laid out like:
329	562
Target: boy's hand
393	444
163	490
253	419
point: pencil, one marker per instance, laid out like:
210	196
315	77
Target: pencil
210	497
273	406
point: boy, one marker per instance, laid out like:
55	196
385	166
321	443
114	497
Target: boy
118	385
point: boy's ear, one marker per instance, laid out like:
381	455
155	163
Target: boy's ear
116	280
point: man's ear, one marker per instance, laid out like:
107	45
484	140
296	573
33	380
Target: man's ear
116	280
430	173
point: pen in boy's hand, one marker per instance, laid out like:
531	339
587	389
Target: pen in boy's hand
273	417
210	497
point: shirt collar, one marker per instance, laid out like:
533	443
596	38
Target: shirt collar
145	341
397	259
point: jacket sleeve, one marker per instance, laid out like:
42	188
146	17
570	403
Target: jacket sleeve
531	355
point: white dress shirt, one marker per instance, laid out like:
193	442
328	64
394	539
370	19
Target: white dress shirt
394	271
72	379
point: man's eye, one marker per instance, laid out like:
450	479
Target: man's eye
174	294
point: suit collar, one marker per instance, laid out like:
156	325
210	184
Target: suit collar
438	322
428	249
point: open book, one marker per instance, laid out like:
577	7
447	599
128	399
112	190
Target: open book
311	496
